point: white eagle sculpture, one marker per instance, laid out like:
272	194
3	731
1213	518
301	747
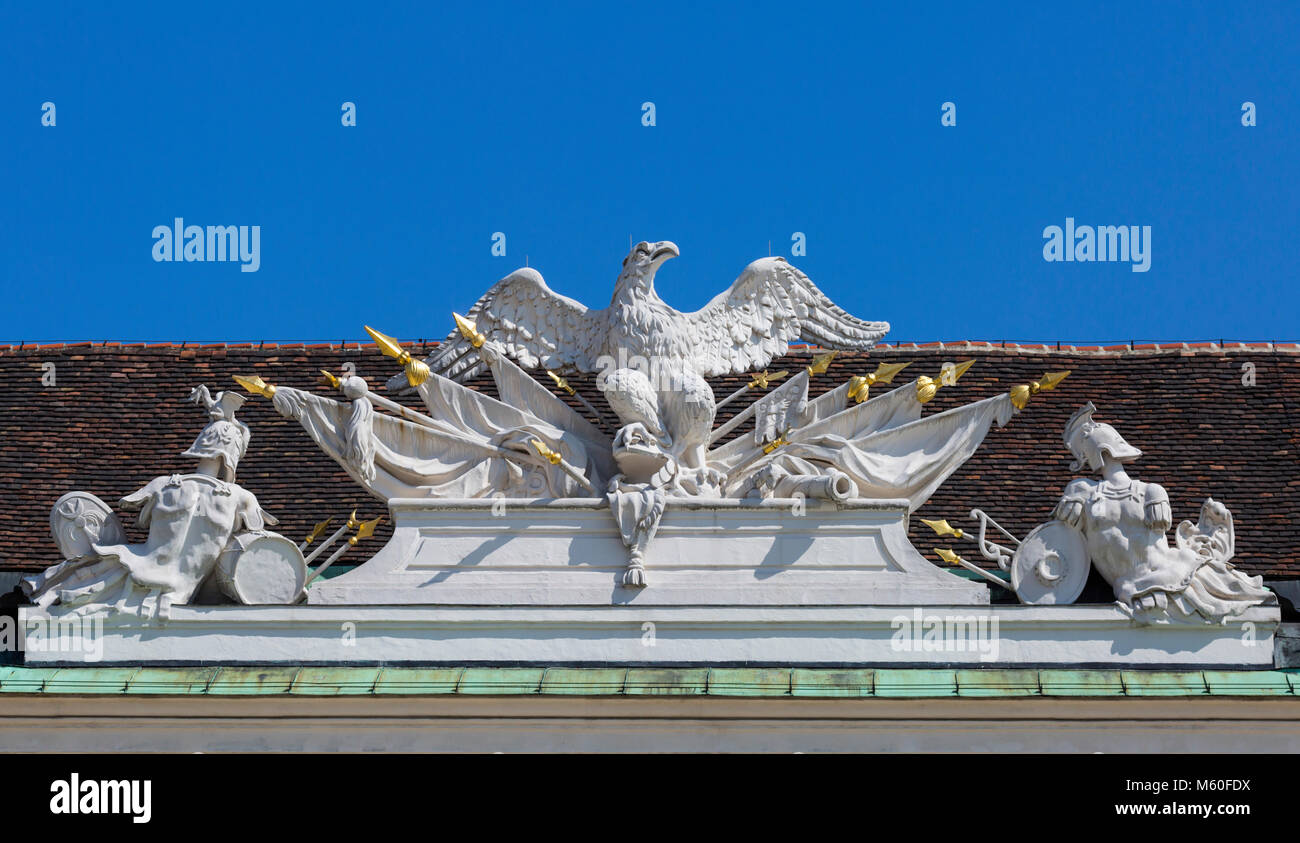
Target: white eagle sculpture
652	359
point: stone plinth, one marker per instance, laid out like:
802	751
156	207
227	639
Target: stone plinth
975	636
777	552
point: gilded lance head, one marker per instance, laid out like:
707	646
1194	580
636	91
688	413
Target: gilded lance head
947	555
885	372
560	382
763	379
551	456
469	330
318	530
961	369
365	530
821	363
860	385
255	385
1020	394
417	371
389	346
928	387
942	527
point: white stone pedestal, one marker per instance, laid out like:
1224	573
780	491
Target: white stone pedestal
893	636
777	552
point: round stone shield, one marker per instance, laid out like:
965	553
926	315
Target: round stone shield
80	520
259	568
1050	566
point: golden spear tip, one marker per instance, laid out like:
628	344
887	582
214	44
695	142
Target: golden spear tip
860	385
762	379
255	385
417	371
1051	380
885	372
927	387
549	455
942	527
1021	393
389	346
469	330
332	378
961	369
318	530
365	530
560	382
821	363
947	555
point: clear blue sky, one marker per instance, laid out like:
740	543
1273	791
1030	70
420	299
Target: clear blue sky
771	119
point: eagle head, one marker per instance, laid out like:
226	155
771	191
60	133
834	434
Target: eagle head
641	264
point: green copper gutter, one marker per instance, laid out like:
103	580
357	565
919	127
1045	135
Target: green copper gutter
640	681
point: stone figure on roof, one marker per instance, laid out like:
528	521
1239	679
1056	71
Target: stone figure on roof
190	517
1124	522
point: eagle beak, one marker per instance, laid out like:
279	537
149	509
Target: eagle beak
664	250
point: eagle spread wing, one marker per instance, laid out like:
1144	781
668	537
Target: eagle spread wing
534	324
769	306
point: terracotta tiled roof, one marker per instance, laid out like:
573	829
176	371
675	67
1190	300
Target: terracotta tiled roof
117	417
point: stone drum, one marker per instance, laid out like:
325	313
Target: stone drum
260	567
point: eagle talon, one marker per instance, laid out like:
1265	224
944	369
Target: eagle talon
634	576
